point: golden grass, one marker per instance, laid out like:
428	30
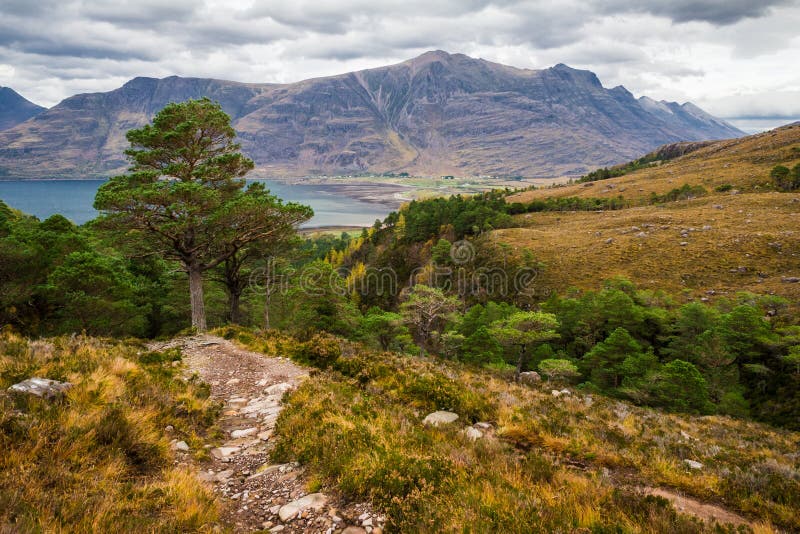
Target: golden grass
98	460
368	439
749	244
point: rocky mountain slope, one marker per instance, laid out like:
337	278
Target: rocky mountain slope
434	114
15	109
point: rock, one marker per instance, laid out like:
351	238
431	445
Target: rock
556	393
278	389
169	428
367	522
232	382
181	446
440	417
529	377
683	243
691	464
483	425
41	387
472	434
609	240
363	516
718	206
221	453
785	279
236	434
277	528
354	530
265	435
641	234
315	501
566	392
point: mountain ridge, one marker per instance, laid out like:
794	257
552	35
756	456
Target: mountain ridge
438	113
15	108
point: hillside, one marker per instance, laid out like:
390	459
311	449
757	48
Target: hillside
741	239
15	109
437	114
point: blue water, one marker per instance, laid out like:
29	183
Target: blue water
74	198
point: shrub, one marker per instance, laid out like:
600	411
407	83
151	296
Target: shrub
784	178
322	350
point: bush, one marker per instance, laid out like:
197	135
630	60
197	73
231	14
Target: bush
322	350
785	179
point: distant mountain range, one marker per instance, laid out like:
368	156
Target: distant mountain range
15	109
437	114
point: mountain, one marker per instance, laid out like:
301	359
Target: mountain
434	114
15	109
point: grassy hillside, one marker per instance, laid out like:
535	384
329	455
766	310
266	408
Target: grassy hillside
99	459
744	163
742	238
573	463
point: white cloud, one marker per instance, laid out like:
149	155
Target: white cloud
732	57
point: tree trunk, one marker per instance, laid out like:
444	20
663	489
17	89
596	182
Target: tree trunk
196	298
267	302
520	363
234	313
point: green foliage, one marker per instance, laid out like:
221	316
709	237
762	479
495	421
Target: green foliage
680	386
785	179
322	350
605	363
386	328
558	370
427	310
186	194
685	192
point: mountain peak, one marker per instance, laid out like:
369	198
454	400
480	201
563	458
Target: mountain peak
15	108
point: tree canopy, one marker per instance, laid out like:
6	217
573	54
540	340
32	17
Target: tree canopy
185	192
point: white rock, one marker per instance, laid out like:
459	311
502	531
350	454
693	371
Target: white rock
691	464
556	393
472	434
224	452
363	516
315	501
440	417
278	389
181	446
367	522
236	434
41	387
483	425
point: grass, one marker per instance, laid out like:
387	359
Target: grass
572	464
99	459
742	235
644	244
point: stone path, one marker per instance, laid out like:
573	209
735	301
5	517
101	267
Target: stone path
258	495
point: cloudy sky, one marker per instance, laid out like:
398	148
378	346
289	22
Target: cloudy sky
735	58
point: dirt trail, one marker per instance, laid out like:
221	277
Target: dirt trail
258	495
707	512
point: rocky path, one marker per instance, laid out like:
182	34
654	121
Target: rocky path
257	494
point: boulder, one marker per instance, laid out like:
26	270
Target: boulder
691	464
181	446
315	501
439	418
41	387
